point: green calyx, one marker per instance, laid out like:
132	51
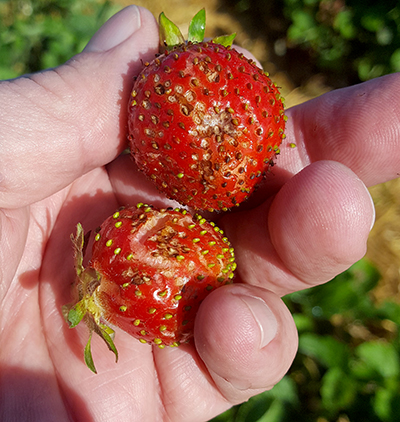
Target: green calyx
171	36
85	308
197	27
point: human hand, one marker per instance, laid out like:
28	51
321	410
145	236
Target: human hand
62	134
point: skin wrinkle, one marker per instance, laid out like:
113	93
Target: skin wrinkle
112	83
326	217
300	151
16	224
79	130
163	412
35	148
232	374
261	262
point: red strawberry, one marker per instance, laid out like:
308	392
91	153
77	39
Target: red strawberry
204	122
149	272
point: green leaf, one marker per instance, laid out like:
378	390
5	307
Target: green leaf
382	403
346	294
390	310
285	391
197	27
275	412
325	349
338	390
255	408
170	34
225	40
107	334
343	22
395	60
381	357
76	313
372	22
303	322
88	355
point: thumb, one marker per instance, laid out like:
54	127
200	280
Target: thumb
247	339
61	123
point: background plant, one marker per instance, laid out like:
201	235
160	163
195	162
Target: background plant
351	40
40	34
351	35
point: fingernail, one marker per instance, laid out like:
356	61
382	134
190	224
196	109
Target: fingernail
116	30
373	211
264	317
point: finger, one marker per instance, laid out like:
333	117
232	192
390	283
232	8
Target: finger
357	126
61	123
315	228
247	339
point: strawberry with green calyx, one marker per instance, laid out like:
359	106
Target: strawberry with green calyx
150	270
205	123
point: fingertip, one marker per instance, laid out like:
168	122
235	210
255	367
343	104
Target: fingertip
120	27
320	220
247	339
117	29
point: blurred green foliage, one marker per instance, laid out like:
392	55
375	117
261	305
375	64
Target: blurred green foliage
356	38
38	34
348	364
362	33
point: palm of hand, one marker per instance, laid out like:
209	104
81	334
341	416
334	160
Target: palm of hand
43	355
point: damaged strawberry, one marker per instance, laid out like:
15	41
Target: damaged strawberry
205	123
149	272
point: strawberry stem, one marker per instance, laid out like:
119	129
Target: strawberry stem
78	241
86	308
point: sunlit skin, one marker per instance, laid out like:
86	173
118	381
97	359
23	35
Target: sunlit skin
62	133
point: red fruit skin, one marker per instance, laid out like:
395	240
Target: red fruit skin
205	124
155	270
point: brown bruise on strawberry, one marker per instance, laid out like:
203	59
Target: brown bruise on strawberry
172	261
205	124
